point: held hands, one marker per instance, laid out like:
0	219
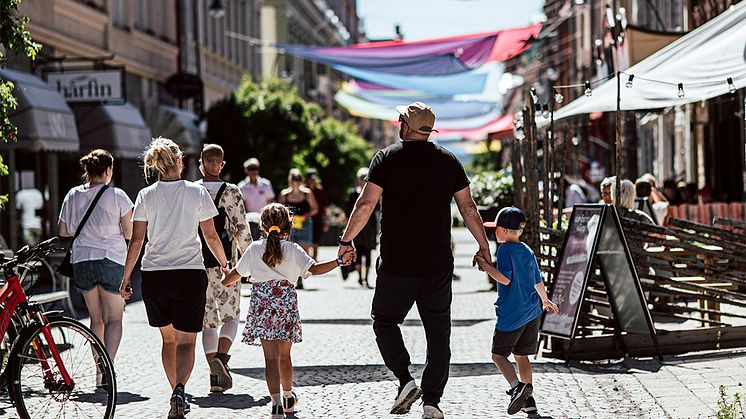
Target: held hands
480	262
347	258
548	305
485	256
125	290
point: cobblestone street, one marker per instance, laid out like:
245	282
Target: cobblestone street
339	373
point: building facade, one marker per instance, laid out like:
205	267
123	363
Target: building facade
146	44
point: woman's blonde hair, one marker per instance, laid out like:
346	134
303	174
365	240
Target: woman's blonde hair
95	163
295	174
628	195
277	216
162	155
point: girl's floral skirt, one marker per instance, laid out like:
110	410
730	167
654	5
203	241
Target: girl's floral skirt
273	313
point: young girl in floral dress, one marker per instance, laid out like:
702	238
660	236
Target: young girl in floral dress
274	265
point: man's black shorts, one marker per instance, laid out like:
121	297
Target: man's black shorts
522	341
175	297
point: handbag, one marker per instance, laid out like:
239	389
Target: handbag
66	268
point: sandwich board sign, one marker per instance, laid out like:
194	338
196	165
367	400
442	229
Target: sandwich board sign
595	235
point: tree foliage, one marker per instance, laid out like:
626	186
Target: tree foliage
272	122
16	39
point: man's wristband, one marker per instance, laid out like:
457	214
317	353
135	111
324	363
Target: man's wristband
344	243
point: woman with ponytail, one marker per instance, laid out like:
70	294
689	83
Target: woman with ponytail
174	280
274	265
99	249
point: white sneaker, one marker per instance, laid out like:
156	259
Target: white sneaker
406	397
431	412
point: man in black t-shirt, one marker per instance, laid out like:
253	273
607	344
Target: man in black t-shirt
417	180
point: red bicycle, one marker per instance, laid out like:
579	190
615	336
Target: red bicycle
56	366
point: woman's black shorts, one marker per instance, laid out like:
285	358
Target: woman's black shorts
175	297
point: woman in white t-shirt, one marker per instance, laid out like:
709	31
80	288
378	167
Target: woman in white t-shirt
174	281
275	266
99	251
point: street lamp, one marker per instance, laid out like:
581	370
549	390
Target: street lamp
217	9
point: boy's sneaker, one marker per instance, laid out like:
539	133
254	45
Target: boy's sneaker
288	403
406	397
277	412
178	405
431	412
518	396
529	407
219	367
214	385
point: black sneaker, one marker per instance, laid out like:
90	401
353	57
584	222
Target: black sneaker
529	407
277	412
518	396
288	403
214	385
178	405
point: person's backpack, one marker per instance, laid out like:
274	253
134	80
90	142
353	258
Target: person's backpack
220	228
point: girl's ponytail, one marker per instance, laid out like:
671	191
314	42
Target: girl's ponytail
276	223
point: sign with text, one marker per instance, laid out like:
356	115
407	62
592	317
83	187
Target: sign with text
88	85
572	272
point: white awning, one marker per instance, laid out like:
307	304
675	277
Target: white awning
702	60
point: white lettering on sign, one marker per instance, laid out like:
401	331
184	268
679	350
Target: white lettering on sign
88	85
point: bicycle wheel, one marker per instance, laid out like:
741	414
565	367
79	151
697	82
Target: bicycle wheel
37	385
5	345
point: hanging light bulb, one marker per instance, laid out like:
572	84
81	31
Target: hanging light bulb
681	90
545	111
558	97
629	81
588	91
575	140
731	86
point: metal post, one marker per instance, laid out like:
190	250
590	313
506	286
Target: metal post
199	102
532	187
618	142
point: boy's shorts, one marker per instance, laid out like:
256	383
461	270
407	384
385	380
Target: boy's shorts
522	341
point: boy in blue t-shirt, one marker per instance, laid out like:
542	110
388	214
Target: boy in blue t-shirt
518	309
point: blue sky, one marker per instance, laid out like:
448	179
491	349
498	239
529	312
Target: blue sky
423	19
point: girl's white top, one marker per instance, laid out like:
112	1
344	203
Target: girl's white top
295	263
101	237
173	211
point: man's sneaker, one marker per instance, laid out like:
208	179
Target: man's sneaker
518	396
219	367
178	405
277	412
288	403
529	407
431	412
406	397
214	385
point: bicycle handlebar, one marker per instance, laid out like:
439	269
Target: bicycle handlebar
27	253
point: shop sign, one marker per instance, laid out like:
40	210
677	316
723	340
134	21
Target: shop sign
88	85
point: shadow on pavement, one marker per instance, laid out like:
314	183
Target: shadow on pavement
230	401
125	397
408	323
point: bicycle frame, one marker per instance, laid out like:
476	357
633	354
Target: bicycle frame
13	296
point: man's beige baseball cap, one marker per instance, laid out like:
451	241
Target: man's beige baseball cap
418	116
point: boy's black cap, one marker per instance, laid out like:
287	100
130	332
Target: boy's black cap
511	218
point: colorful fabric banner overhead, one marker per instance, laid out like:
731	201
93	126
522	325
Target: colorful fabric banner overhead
434	57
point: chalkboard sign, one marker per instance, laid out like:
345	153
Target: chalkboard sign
622	284
572	272
595	234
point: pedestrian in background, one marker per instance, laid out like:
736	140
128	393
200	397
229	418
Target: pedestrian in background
275	265
606	197
417	180
302	204
521	298
322	201
174	281
29	202
367	240
627	202
257	192
99	251
223	303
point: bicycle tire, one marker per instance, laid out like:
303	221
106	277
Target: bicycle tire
56	400
6	345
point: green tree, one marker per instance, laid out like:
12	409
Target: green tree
272	122
336	152
13	38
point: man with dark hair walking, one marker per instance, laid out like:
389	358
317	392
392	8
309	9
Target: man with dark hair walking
417	180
